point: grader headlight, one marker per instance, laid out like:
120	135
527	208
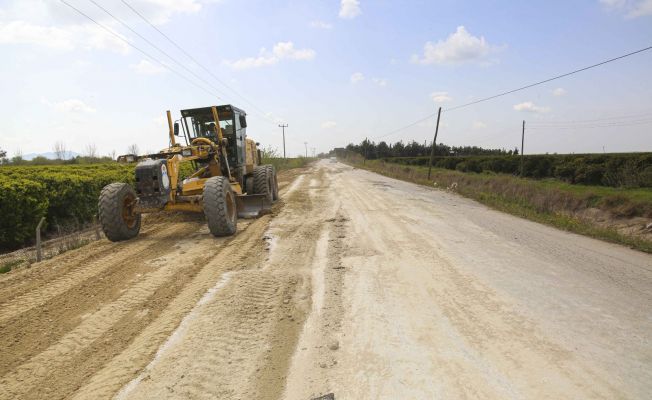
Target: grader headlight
186	152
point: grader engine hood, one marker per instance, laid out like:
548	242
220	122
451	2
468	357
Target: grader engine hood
152	183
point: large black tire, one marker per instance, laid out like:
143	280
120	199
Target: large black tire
272	171
116	212
263	182
220	206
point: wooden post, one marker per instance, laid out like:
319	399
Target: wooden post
522	155
434	143
97	228
39	253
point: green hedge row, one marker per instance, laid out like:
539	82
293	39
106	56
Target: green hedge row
616	170
65	195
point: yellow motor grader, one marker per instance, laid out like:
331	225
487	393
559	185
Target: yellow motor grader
227	178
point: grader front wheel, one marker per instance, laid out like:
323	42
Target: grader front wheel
220	207
116	212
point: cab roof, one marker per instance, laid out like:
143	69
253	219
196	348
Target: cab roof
203	110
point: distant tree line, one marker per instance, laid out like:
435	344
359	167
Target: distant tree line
62	156
372	150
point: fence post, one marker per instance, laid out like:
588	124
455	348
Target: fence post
97	228
39	254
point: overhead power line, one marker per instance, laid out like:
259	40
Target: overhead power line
644	121
194	59
156	60
549	79
518	89
171	58
621	118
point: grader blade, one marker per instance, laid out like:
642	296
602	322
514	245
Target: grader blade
252	205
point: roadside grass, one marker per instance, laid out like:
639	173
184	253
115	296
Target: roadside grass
280	164
8	266
547	201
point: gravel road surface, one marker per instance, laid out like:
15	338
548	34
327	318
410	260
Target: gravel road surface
356	284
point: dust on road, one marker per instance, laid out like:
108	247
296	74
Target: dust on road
359	285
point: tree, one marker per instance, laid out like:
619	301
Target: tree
112	154
398	149
383	150
516	151
133	149
60	151
3	157
18	157
90	151
269	152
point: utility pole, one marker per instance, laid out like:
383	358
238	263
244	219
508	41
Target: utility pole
313	151
283	127
434	143
522	145
306	144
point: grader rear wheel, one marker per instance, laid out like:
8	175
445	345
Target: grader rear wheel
116	212
264	182
220	207
272	171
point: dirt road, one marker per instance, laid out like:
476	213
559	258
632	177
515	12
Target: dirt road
359	285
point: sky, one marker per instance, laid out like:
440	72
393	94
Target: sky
335	71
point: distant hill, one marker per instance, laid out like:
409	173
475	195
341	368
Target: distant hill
50	155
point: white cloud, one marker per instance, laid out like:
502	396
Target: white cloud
440	97
45	11
528	106
161	10
631	8
380	81
357	77
559	92
75	106
65	38
321	25
146	67
349	9
641	9
281	51
478	125
459	47
613	3
328	124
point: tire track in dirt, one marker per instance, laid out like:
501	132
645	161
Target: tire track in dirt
24	279
233	337
127	253
131	296
240	343
33	331
95	325
316	354
245	248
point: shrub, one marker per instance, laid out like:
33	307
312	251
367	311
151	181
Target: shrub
64	194
23	203
616	170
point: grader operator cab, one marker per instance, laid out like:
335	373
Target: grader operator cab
226	178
